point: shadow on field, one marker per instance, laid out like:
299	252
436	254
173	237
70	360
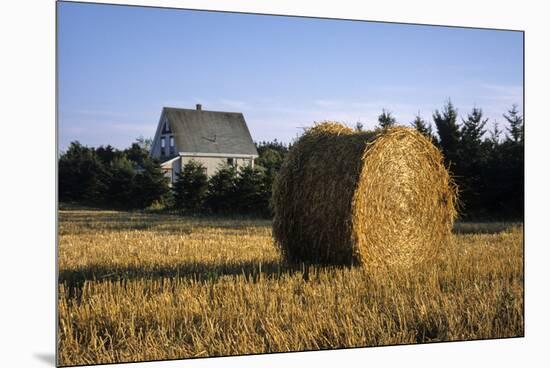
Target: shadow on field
197	271
484	227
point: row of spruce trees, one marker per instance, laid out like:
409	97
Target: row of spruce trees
107	177
487	165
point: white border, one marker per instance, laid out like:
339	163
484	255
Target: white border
28	202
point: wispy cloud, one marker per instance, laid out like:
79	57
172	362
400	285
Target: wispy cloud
328	103
510	94
96	113
388	88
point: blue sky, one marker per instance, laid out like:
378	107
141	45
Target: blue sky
118	66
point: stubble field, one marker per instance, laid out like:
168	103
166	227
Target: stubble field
135	286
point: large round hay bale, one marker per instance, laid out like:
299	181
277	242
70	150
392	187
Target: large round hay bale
379	198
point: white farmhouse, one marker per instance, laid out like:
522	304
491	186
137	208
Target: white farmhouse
213	138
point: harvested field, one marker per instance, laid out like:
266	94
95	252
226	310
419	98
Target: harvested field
138	286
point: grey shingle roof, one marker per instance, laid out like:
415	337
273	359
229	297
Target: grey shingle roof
210	131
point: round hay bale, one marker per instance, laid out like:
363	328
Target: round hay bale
380	198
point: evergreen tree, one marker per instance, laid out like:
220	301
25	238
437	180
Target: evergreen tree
271	157
220	197
473	128
178	192
121	184
511	164
386	120
494	135
150	185
502	198
251	194
515	122
190	187
471	162
137	154
448	132
82	176
422	127
107	154
471	134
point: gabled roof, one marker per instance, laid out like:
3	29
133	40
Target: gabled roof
210	131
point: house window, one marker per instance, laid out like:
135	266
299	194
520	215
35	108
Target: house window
162	146
172	146
231	161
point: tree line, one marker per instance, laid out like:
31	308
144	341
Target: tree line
108	177
486	164
130	179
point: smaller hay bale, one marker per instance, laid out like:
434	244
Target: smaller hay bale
381	198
